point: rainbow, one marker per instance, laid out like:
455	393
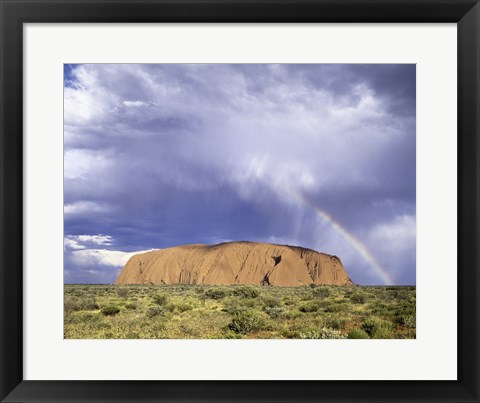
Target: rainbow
345	234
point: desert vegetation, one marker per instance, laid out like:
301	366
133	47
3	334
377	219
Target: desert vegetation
243	311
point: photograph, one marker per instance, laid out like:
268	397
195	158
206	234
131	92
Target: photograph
239	201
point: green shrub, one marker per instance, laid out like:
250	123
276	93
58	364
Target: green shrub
274	311
288	300
122	292
110	310
357	334
306	295
310	334
91	304
184	307
323	333
370	324
239	304
407	321
246	291
409	334
229	334
217	293
80	304
384	333
71	305
333	307
322	292
130	305
378	328
328	333
378	307
337	323
155	310
358	298
308	307
246	321
171	307
270	302
160	299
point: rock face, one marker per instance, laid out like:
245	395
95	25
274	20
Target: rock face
234	263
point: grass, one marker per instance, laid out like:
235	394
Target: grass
226	312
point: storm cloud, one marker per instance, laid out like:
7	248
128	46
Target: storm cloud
321	156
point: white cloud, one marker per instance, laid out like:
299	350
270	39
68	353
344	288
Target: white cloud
81	241
82	207
81	163
79	249
133	103
89	101
71	243
399	233
95	257
96	239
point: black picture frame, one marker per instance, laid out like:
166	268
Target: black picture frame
14	13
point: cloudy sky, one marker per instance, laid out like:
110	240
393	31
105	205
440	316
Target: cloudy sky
321	156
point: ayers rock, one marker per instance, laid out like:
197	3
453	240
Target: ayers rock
234	263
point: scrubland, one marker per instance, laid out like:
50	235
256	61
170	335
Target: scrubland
234	312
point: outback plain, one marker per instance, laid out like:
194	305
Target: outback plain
238	311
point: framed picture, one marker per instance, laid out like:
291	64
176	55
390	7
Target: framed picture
216	201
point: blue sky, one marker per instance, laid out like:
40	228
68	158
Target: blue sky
321	156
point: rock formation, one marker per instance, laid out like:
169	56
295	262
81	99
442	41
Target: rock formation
234	263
